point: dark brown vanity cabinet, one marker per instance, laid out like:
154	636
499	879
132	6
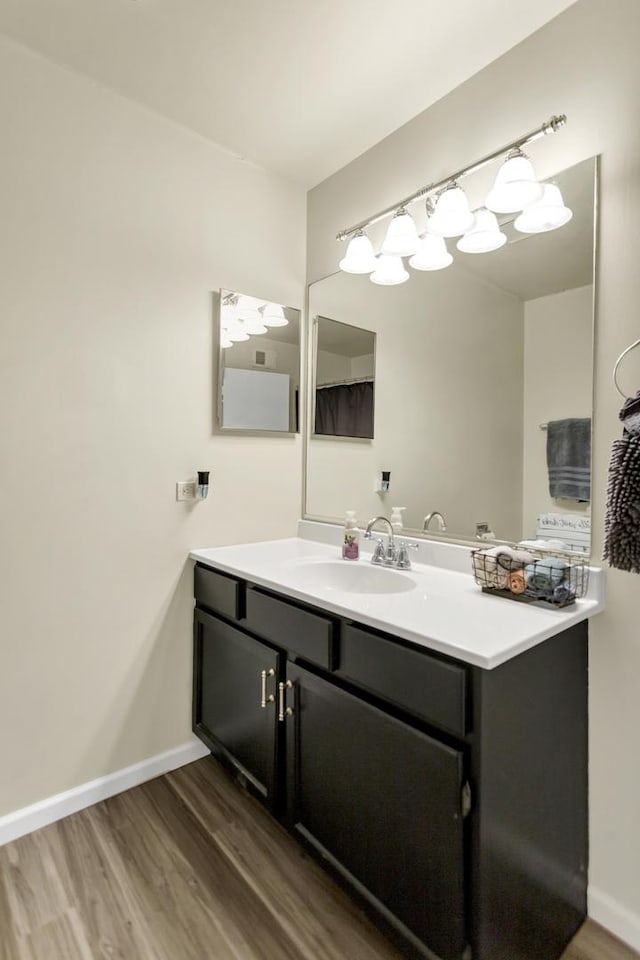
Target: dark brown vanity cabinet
450	799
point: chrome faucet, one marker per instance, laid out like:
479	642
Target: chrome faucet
442	526
380	555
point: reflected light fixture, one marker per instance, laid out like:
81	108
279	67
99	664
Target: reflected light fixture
515	189
389	271
515	186
548	213
273	315
359	257
484	236
401	239
432	254
452	215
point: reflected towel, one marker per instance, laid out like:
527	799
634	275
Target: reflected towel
569	458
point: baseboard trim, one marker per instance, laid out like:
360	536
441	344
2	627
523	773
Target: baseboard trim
618	920
28	819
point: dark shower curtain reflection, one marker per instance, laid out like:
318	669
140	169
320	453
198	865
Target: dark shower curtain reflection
345	410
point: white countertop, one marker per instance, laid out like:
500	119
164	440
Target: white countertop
444	610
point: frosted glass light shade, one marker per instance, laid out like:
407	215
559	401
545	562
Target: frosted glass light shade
225	343
432	254
548	213
515	186
484	236
452	215
254	327
273	315
246	303
389	271
236	334
401	239
359	257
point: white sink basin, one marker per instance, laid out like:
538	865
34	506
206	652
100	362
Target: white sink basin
348	576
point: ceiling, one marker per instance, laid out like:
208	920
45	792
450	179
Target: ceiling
300	87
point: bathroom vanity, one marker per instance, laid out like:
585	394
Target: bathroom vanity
449	792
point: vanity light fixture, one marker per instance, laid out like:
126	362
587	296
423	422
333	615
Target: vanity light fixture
515	185
359	257
484	236
389	271
515	189
548	213
401	239
242	316
273	315
452	216
432	254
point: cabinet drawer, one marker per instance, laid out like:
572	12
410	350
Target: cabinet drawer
417	682
218	592
304	633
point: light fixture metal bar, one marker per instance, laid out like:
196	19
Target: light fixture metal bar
551	126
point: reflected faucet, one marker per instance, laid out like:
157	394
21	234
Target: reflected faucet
442	526
380	555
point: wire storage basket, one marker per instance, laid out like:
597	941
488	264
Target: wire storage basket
557	579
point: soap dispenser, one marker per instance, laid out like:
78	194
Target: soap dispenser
351	539
396	519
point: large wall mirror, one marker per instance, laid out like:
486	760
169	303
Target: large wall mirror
258	364
472	365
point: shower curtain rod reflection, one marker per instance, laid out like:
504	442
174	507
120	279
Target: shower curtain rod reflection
344	383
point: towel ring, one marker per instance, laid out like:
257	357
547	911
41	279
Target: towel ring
618	362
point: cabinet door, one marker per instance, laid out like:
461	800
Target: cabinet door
228	714
383	801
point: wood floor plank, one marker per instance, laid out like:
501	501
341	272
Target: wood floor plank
35	890
181	921
593	942
317	915
188	867
110	929
246	923
64	937
9	949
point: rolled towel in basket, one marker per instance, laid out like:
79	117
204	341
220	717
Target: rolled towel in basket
544	576
492	567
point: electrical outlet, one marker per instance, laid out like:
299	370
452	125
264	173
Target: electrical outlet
186	490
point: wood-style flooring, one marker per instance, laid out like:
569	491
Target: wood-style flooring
188	867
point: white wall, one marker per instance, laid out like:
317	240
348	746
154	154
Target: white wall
116	227
558	346
584	63
444	452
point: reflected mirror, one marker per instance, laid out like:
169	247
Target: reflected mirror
344	375
258	364
473	364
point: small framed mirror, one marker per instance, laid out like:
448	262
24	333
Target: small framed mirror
258	365
344	380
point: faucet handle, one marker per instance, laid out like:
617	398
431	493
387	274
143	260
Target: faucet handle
403	561
379	551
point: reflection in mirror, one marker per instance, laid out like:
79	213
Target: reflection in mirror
473	363
259	364
344	374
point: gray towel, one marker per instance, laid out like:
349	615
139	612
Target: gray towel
569	458
622	518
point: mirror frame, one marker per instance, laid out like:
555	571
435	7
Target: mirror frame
434	535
